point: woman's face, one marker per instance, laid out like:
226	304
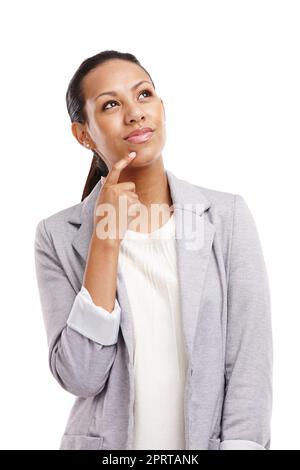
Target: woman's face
113	117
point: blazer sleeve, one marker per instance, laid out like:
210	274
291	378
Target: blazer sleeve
81	336
94	321
247	406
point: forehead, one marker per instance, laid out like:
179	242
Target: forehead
117	75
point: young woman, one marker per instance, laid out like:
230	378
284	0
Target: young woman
161	330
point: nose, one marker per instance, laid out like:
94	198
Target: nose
135	115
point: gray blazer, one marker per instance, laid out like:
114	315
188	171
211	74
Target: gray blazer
226	320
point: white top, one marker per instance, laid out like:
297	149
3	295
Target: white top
149	265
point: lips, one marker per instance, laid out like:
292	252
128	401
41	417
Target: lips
140	138
139	132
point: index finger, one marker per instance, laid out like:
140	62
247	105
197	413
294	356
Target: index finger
113	175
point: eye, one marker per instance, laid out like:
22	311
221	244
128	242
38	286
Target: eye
147	91
104	107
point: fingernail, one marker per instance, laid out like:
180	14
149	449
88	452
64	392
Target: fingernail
132	155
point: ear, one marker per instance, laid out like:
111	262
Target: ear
78	132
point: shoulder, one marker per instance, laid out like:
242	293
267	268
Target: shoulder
227	209
221	208
229	212
224	203
232	218
235	227
219	205
61	221
64	221
220	201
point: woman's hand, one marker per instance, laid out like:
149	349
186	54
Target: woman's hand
110	194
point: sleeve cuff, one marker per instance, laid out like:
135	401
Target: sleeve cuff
239	444
94	322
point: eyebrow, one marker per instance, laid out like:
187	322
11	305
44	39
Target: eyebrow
113	93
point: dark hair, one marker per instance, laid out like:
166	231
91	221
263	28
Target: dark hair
76	107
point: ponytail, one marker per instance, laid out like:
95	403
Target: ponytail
98	168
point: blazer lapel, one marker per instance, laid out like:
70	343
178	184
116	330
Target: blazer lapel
193	250
194	239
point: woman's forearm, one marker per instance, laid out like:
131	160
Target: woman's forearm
100	276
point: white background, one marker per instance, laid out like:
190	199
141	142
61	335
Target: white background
228	72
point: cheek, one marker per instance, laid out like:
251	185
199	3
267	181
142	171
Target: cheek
96	127
107	130
159	117
161	126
